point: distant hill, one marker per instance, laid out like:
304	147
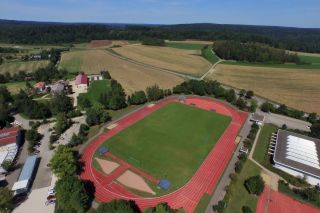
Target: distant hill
32	32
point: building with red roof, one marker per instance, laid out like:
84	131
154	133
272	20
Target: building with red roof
40	85
82	81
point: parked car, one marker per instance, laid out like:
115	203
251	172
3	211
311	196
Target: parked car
51	191
49	202
51	197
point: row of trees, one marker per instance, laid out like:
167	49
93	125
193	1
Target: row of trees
153	42
305	40
252	52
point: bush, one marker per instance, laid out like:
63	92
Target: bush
254	185
246	209
8	165
220	206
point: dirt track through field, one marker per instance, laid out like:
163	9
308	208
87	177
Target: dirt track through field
203	181
297	88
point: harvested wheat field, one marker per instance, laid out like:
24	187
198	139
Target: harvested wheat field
105	43
132	77
178	60
281	85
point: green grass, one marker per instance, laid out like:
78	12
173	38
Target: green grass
282	187
27	66
261	150
310	59
185	46
207	54
203	204
15	87
239	195
289	66
171	143
95	90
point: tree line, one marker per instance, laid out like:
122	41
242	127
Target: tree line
253	52
296	39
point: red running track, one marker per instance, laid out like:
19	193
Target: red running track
203	181
281	203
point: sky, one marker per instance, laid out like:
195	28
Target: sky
293	13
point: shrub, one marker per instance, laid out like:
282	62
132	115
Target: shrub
254	185
246	209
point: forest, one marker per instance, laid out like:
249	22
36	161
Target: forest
253	52
296	39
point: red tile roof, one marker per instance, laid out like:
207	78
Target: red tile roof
8	136
40	85
82	79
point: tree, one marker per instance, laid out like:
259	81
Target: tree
97	115
6	200
71	195
312	118
253	105
105	74
118	206
62	123
315	130
83	101
154	93
7	165
137	98
249	94
161	208
4	92
254	185
63	162
241	103
61	103
220	206
231	96
267	107
246	209
242	93
4	112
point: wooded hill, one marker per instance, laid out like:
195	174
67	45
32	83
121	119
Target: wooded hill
253	52
296	39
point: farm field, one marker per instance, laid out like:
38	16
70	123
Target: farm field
186	46
190	133
15	87
178	60
106	43
280	85
131	76
286	66
28	66
207	54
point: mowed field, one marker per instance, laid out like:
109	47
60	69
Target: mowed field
171	143
297	88
178	60
28	66
132	76
96	89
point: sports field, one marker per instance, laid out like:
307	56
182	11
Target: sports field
171	143
187	61
132	76
280	85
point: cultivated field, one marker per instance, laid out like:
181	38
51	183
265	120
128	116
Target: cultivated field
171	143
131	76
298	88
15	87
15	67
106	43
178	60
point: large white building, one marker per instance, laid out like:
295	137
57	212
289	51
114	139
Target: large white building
298	155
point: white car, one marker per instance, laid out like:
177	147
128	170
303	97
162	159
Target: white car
51	191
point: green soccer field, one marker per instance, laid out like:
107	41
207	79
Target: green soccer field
171	143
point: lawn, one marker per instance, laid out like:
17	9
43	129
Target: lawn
261	151
96	89
72	62
208	54
185	46
203	204
312	59
171	143
240	196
